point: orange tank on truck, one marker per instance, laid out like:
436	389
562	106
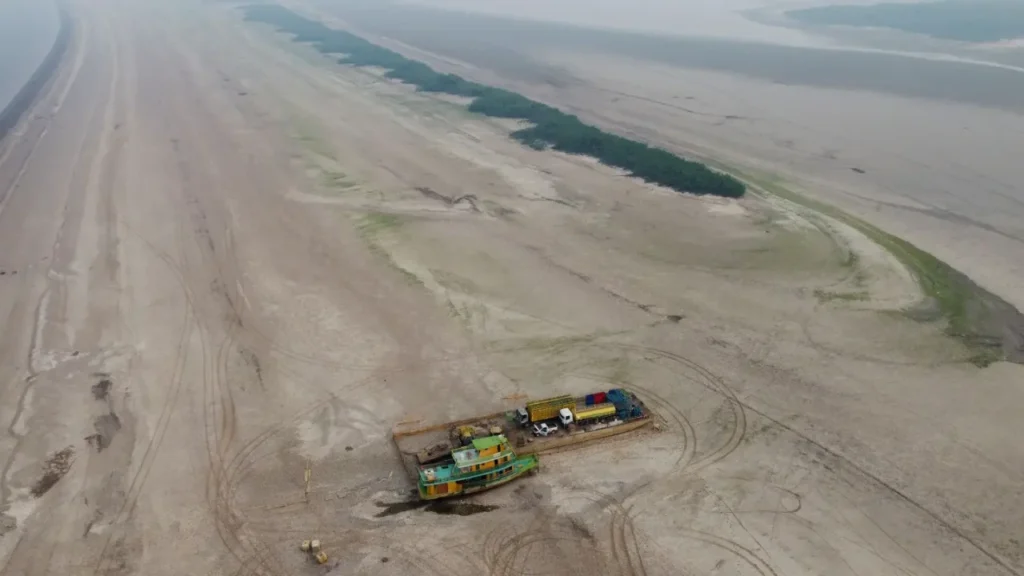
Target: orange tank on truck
584	413
547	409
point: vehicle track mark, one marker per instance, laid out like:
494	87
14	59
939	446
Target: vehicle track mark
622	534
210	401
167	410
622	531
714	383
506	550
741	408
742	553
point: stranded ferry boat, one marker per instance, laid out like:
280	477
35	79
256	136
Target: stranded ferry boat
487	462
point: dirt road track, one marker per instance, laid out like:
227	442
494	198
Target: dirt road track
126	197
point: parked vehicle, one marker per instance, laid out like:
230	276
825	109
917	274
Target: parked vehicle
566	417
542	410
544	429
591	408
585	414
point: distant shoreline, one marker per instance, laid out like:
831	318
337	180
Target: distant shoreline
486	40
26	97
982	21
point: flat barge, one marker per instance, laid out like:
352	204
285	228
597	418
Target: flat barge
431	451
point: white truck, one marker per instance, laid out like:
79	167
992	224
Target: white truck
544	429
566	417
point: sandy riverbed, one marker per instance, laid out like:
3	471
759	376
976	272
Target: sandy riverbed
233	260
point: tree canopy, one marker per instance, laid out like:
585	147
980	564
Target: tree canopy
550	127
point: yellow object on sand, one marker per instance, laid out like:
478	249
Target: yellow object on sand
321	557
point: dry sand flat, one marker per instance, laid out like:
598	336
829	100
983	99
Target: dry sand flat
925	149
236	259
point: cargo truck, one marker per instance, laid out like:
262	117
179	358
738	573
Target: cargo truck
616	403
542	410
625	407
583	414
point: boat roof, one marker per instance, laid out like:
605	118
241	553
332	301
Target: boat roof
442	473
467	455
489	441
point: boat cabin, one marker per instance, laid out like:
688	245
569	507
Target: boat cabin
484	460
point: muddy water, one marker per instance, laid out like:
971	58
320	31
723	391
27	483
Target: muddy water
508	46
28	29
719	19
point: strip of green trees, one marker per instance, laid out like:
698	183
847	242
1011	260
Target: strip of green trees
550	128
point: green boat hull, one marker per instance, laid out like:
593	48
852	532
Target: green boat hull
521	465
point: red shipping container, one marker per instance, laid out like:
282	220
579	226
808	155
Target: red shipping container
599	397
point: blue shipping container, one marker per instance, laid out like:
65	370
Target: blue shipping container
590	399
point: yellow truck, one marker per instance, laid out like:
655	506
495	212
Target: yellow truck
546	409
584	414
567	409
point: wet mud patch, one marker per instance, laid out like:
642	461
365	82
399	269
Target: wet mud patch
392	508
101	389
106	427
459	508
7	523
54	469
253	360
445	507
449	201
579	528
995	327
991	328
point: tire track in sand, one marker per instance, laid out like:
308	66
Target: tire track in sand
105	561
166	412
740	408
711	382
622	533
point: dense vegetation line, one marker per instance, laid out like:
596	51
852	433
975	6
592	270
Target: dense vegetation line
550	128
